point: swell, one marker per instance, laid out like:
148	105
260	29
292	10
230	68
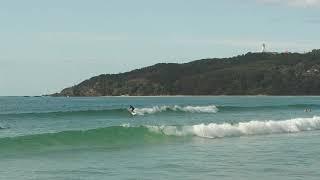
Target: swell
101	112
269	107
162	109
123	111
109	137
124	136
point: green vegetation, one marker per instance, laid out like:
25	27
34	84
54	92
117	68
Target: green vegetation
249	74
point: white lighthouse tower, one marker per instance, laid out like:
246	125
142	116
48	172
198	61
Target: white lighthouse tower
263	48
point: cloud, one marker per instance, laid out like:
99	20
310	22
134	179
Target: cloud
294	3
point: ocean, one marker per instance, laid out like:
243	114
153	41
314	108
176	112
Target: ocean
180	137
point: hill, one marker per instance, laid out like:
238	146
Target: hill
249	74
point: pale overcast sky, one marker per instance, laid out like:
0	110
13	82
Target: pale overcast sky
48	45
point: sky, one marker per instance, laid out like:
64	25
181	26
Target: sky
46	46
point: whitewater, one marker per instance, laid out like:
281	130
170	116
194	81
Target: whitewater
214	130
211	137
191	109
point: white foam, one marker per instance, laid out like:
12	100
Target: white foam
191	109
152	110
126	125
213	130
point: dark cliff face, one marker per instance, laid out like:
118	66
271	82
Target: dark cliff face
250	74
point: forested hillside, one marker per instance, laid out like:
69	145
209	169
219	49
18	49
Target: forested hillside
249	74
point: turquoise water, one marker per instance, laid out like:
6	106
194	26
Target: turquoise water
223	137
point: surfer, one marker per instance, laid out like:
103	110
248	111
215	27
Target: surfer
131	109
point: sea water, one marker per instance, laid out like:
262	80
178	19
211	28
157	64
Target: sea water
216	137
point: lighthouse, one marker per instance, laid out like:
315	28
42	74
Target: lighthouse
263	48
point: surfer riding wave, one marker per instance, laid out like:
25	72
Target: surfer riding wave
131	110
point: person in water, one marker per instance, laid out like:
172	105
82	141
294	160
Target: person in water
131	108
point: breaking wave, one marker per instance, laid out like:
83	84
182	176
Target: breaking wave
190	109
126	135
122	111
161	109
214	130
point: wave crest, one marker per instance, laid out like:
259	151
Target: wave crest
214	130
191	109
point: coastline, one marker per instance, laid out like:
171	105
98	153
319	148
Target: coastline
202	96
159	96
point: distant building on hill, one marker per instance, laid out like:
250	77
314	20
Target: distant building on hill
263	48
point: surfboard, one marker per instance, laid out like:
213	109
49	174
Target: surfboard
132	112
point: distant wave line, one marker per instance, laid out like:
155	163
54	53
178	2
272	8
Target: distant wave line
140	111
165	108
